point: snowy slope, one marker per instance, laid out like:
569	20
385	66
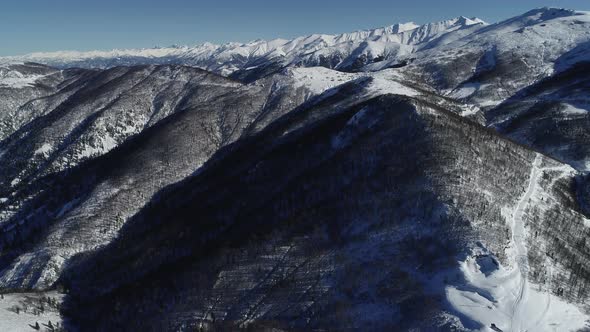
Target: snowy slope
21	311
333	181
402	201
501	294
10	78
494	63
107	110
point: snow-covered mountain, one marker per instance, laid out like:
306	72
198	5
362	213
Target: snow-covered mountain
429	177
333	51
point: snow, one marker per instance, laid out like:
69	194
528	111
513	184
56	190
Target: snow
504	296
44	149
543	41
319	79
403	27
10	321
66	207
396	40
388	81
572	110
466	90
16	80
470	110
345	137
541	312
107	143
493	293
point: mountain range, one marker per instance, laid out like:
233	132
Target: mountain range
411	177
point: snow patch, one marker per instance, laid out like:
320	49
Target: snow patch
107	143
16	80
466	90
470	110
572	110
403	27
24	320
388	82
319	79
494	303
45	149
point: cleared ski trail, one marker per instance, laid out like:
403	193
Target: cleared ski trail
519	241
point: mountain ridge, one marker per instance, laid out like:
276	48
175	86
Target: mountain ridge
402	178
238	54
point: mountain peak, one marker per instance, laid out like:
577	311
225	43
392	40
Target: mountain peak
470	21
403	27
548	13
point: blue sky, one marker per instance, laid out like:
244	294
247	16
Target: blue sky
49	25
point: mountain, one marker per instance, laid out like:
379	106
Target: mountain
54	178
374	190
551	115
492	64
344	51
107	109
430	177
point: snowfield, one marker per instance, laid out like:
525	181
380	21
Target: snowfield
319	79
21	311
16	80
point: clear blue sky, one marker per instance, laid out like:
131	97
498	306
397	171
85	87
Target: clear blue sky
49	25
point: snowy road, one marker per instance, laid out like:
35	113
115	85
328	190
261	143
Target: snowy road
519	241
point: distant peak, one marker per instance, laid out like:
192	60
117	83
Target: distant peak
555	9
462	20
548	13
402	27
